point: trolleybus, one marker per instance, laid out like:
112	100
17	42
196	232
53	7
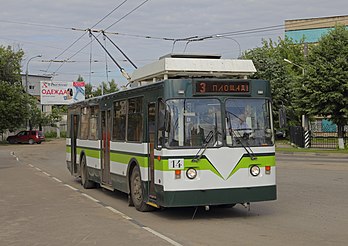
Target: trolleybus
191	131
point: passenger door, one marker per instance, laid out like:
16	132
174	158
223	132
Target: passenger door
151	125
106	137
74	131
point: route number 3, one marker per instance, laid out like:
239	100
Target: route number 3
177	164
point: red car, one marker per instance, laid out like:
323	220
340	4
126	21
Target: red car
30	137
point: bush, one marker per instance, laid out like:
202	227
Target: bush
53	134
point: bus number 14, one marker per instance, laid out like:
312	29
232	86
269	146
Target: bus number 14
176	164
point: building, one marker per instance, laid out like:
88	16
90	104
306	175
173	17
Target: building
34	88
312	29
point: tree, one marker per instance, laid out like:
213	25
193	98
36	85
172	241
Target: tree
14	102
14	106
10	65
284	79
39	119
106	88
325	88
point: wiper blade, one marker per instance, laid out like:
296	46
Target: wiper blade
238	138
201	151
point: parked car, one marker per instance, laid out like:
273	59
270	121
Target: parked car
30	137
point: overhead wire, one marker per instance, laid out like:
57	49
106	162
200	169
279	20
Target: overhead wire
113	10
134	9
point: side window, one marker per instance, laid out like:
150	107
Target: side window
135	120
84	123
161	134
93	123
119	127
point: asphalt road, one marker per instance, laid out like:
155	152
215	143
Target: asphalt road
41	204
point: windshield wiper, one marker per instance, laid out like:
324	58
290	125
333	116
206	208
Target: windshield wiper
201	151
238	138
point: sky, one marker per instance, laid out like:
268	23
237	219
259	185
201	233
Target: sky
143	29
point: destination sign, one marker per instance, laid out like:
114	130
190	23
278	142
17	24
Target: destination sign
218	87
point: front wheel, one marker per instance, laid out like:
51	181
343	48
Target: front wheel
137	191
85	182
31	141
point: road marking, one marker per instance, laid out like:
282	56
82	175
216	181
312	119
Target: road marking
118	212
91	198
172	242
58	180
69	186
157	234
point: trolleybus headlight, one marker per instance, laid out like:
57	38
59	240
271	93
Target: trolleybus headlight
254	170
191	173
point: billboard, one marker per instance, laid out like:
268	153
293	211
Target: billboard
53	92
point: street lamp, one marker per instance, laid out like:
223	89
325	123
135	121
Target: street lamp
239	49
288	61
26	72
304	117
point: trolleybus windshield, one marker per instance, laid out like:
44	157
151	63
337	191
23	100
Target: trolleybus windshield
192	120
248	122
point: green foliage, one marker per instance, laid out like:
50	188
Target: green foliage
14	105
10	65
325	90
284	78
53	134
39	119
108	88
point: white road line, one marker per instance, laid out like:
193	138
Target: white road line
89	197
47	174
172	242
58	180
118	212
30	165
69	186
38	169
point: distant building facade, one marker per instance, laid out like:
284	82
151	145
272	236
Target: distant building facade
312	29
34	88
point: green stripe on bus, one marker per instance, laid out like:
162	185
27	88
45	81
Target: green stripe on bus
246	162
89	152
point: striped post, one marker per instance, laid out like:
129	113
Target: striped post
307	139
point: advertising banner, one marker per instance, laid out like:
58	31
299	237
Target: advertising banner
58	93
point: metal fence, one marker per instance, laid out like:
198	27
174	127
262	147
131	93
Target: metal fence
317	139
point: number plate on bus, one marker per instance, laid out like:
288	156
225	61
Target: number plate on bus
176	164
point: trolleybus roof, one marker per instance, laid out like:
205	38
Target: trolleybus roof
185	65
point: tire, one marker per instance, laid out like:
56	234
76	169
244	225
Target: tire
31	141
85	182
137	191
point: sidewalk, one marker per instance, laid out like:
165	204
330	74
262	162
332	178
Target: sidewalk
36	209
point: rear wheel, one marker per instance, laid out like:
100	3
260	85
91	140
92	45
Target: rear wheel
31	141
137	191
85	182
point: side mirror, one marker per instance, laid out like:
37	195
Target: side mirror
167	121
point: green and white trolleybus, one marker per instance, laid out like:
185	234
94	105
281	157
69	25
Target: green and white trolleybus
190	131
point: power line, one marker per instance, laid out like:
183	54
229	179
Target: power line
130	12
114	9
36	24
